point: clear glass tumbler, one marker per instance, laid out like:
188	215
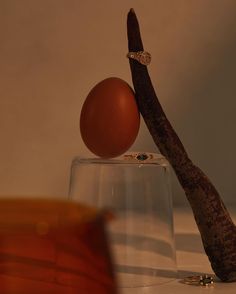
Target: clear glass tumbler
136	187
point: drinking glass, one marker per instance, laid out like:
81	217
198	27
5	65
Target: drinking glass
136	187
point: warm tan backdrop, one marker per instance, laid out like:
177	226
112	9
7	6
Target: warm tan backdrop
53	51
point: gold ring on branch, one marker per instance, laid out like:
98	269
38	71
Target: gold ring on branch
203	280
142	57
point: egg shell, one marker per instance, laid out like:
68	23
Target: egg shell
110	119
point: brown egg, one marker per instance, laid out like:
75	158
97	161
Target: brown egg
109	120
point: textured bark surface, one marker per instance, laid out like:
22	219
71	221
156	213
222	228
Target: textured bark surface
217	230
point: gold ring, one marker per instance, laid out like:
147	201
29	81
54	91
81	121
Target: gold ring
142	57
138	156
203	280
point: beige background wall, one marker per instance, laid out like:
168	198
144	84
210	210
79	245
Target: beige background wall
53	51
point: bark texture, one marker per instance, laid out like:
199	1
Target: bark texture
216	227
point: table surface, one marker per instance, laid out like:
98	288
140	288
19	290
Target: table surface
191	260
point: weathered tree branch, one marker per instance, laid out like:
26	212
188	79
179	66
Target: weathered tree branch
217	230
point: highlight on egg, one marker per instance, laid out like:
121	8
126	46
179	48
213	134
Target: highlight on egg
110	119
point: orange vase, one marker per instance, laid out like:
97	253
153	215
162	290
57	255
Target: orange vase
52	246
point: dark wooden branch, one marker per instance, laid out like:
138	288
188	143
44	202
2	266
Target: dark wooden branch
217	230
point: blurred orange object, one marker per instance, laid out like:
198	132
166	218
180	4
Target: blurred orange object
53	246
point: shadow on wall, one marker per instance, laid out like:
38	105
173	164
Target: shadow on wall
205	96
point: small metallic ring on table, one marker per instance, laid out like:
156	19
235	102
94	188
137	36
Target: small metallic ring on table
202	280
142	57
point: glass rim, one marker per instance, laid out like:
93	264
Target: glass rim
140	158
